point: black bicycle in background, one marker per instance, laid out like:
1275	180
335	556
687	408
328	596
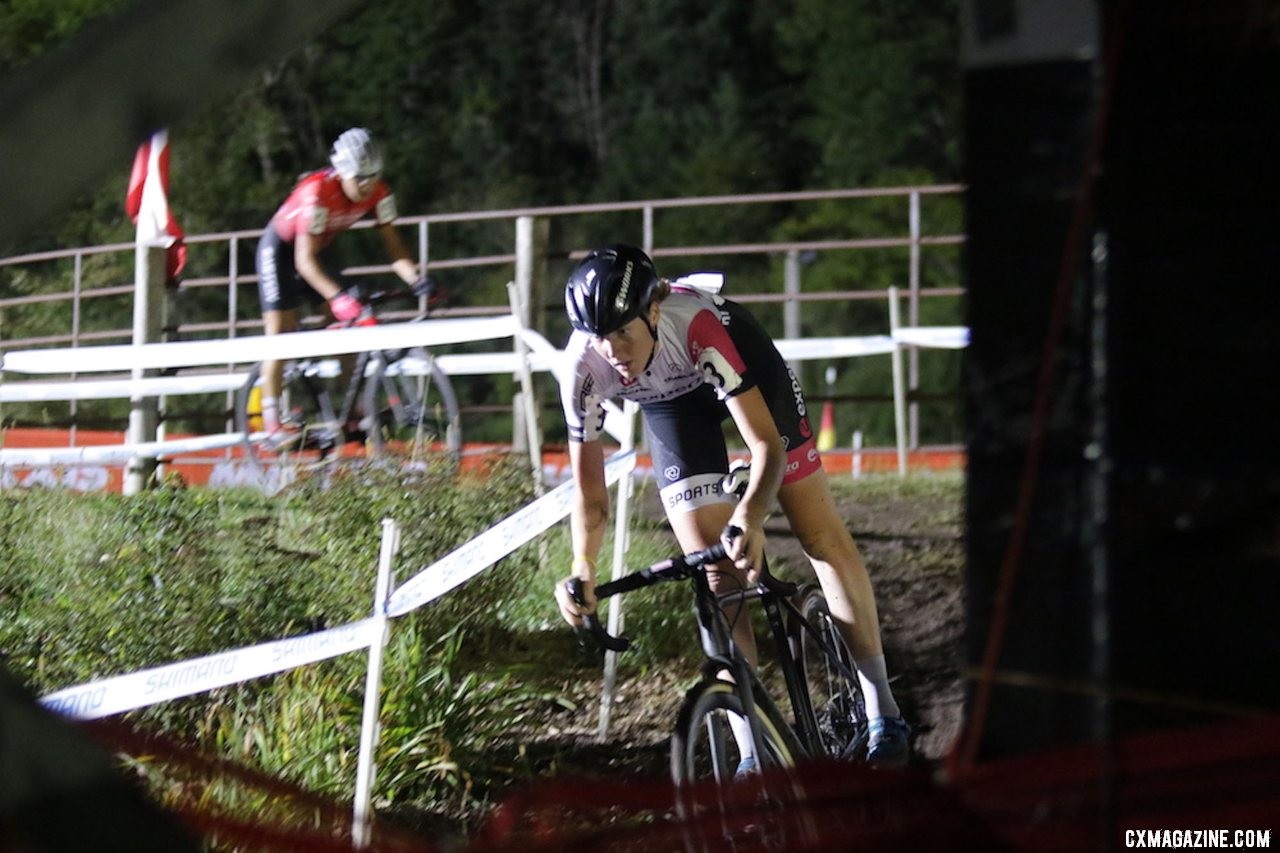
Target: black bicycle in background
828	717
391	401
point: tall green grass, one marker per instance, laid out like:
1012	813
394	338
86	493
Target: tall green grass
98	585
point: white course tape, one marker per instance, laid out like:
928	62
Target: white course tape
943	337
497	542
111	389
107	454
187	678
801	349
246	350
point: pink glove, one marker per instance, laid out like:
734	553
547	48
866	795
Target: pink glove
345	307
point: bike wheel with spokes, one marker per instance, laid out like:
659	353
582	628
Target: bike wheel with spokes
304	408
837	701
713	804
410	409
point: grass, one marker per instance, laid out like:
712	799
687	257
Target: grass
97	585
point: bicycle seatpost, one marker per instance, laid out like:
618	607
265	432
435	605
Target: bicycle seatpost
736	481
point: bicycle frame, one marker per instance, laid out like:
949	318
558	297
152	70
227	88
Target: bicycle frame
365	387
775	598
359	372
717	639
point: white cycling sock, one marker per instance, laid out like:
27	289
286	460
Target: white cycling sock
270	414
742	734
873	675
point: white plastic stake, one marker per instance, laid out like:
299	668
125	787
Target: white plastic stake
899	389
621	532
369	729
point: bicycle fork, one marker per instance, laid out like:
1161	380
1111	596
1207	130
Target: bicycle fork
722	656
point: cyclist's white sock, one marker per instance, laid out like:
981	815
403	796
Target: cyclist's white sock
874	678
742	734
270	414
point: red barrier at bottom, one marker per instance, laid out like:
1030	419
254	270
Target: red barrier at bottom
1195	787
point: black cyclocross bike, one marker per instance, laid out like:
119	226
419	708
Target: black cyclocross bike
828	717
393	401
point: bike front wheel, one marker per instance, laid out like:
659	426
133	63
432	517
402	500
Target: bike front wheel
838	706
410	408
713	802
305	411
702	746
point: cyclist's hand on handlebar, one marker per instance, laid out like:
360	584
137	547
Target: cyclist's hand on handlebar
570	608
345	307
427	287
744	544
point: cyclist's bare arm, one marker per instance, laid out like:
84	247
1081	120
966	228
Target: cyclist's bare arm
588	518
768	461
400	261
306	248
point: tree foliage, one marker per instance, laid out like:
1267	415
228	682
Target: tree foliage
29	28
487	103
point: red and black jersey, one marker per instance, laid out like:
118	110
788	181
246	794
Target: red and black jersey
318	206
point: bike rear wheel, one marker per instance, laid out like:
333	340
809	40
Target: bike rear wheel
410	408
838	705
304	408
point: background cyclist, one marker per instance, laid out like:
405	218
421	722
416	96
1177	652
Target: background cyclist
690	359
291	260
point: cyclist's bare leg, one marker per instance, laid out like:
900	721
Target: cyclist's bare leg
275	323
826	541
838	564
699	529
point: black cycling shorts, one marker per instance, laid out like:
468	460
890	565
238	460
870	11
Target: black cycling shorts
280	288
686	435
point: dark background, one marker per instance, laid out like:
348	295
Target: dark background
1123	479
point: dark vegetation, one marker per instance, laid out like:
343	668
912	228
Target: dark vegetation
487	105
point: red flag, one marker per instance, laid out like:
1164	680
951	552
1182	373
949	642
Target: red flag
147	201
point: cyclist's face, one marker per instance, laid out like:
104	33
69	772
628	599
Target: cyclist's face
360	187
628	349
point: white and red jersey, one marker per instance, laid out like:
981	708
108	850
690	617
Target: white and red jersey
708	349
698	344
318	206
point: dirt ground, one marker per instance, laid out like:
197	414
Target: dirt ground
914	552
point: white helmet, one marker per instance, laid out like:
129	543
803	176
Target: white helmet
355	154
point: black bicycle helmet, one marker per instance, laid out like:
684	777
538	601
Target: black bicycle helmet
610	288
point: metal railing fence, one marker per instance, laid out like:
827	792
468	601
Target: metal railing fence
79	314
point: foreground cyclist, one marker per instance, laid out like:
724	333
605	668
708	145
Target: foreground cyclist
690	359
291	259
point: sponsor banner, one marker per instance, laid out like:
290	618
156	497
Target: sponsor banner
118	454
224	468
187	678
496	542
